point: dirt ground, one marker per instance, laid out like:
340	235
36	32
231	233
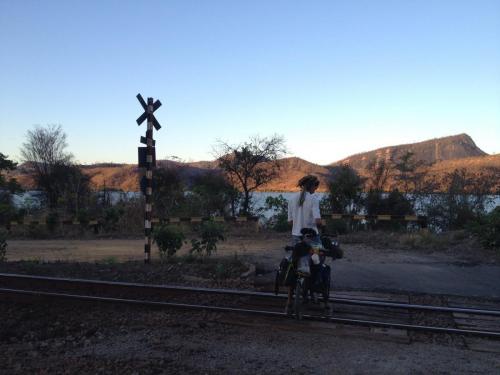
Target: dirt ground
131	249
62	338
100	339
262	247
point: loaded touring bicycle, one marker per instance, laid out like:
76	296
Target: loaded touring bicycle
305	273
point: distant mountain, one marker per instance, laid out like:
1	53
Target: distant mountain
430	151
291	170
442	155
123	177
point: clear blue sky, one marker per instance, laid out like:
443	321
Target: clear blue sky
334	77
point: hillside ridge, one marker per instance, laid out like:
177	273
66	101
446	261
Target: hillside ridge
458	151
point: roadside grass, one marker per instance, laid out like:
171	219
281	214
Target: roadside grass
422	240
428	241
109	260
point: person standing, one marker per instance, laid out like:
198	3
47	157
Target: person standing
303	208
305	217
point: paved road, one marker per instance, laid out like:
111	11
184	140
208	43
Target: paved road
417	273
436	278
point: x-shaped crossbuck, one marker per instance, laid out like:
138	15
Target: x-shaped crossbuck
149	108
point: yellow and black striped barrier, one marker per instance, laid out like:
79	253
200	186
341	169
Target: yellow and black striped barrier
239	219
168	220
96	223
417	218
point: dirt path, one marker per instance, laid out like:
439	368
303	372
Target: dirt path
363	267
124	250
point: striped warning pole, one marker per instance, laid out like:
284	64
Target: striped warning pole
149	183
147	160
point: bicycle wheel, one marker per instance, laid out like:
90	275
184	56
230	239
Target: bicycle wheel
297	301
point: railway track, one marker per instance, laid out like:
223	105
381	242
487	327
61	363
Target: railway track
370	312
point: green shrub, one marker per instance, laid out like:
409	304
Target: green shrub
109	260
227	268
3	244
210	234
429	241
132	220
52	221
336	226
83	217
7	213
487	229
111	217
169	240
222	272
35	231
279	220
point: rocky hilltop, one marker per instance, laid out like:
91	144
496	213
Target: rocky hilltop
431	151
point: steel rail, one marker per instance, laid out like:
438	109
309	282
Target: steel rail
243	293
370	323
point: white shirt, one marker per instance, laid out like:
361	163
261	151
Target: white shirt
303	216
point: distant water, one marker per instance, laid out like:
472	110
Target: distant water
33	198
259	200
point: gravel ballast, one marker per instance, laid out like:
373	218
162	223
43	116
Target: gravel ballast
63	338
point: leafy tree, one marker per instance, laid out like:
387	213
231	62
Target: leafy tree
251	164
7	187
10	185
393	203
168	191
111	217
215	194
45	152
345	190
398	204
74	187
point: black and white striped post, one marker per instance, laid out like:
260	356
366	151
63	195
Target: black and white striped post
147	159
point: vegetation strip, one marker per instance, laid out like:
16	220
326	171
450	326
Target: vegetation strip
341	300
468	332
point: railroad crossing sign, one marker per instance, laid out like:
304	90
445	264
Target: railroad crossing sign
147	159
148	111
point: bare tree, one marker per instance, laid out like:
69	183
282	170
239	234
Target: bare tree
380	172
45	152
464	198
251	164
409	172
